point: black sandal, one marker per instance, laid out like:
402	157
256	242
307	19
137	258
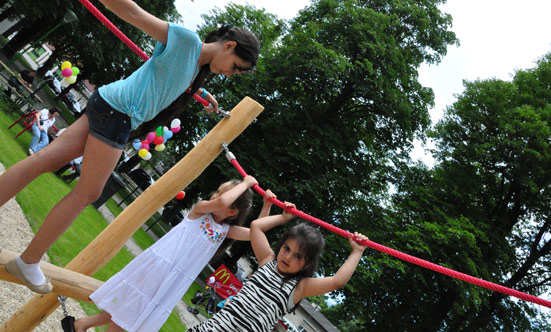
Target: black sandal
68	324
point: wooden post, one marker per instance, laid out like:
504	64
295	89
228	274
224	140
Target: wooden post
65	282
112	239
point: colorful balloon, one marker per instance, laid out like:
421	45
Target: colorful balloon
67	72
142	153
145	146
150	137
168	134
159	131
147	156
159	140
136	144
180	195
70	79
175	123
175	129
75	71
66	64
160	147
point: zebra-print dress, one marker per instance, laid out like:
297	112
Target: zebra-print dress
257	306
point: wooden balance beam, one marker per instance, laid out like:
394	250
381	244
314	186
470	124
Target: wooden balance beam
65	282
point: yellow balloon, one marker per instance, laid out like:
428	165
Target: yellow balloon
142	153
160	147
70	79
66	64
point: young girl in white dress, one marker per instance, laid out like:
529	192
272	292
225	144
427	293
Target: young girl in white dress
142	295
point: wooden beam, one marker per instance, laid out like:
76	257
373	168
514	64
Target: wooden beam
112	239
65	282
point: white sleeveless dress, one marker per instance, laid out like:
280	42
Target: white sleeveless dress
142	295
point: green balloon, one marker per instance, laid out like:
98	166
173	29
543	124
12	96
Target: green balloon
75	71
159	131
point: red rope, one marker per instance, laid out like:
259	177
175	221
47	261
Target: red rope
114	29
402	256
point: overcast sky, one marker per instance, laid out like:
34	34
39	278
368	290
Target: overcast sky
497	38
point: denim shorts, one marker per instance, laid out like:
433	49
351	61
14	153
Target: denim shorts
106	123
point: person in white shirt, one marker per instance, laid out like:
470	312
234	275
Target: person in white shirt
44	120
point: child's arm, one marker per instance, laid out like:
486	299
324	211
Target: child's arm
130	12
316	286
267	206
239	233
259	242
243	233
224	200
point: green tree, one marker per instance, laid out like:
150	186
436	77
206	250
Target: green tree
484	210
342	105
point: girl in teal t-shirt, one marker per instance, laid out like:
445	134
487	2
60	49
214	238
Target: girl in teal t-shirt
154	94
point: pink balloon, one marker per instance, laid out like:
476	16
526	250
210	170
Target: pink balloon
145	146
175	129
150	137
159	140
67	72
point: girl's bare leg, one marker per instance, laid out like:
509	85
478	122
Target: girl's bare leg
82	324
63	149
98	163
114	328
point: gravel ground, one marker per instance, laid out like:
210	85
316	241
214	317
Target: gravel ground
15	234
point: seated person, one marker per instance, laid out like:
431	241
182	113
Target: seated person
77	164
26	75
44	120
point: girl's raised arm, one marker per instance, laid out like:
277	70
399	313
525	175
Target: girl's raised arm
316	286
261	247
224	199
130	12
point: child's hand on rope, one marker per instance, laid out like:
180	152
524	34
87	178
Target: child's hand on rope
250	181
268	195
286	214
357	237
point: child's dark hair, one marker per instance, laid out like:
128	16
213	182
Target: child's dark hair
247	48
243	204
311	243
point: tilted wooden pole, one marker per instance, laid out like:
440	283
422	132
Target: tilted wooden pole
65	282
113	238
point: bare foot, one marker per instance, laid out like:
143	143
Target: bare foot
79	325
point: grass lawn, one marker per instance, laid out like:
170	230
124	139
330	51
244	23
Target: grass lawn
43	193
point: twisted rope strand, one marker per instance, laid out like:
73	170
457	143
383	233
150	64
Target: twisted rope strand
114	29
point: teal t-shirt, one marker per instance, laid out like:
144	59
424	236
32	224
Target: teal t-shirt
160	80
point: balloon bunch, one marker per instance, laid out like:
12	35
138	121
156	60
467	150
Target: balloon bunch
159	138
69	72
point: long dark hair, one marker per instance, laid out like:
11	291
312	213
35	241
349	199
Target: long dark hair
247	48
243	204
311	243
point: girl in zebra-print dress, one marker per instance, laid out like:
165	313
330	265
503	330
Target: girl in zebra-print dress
282	279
